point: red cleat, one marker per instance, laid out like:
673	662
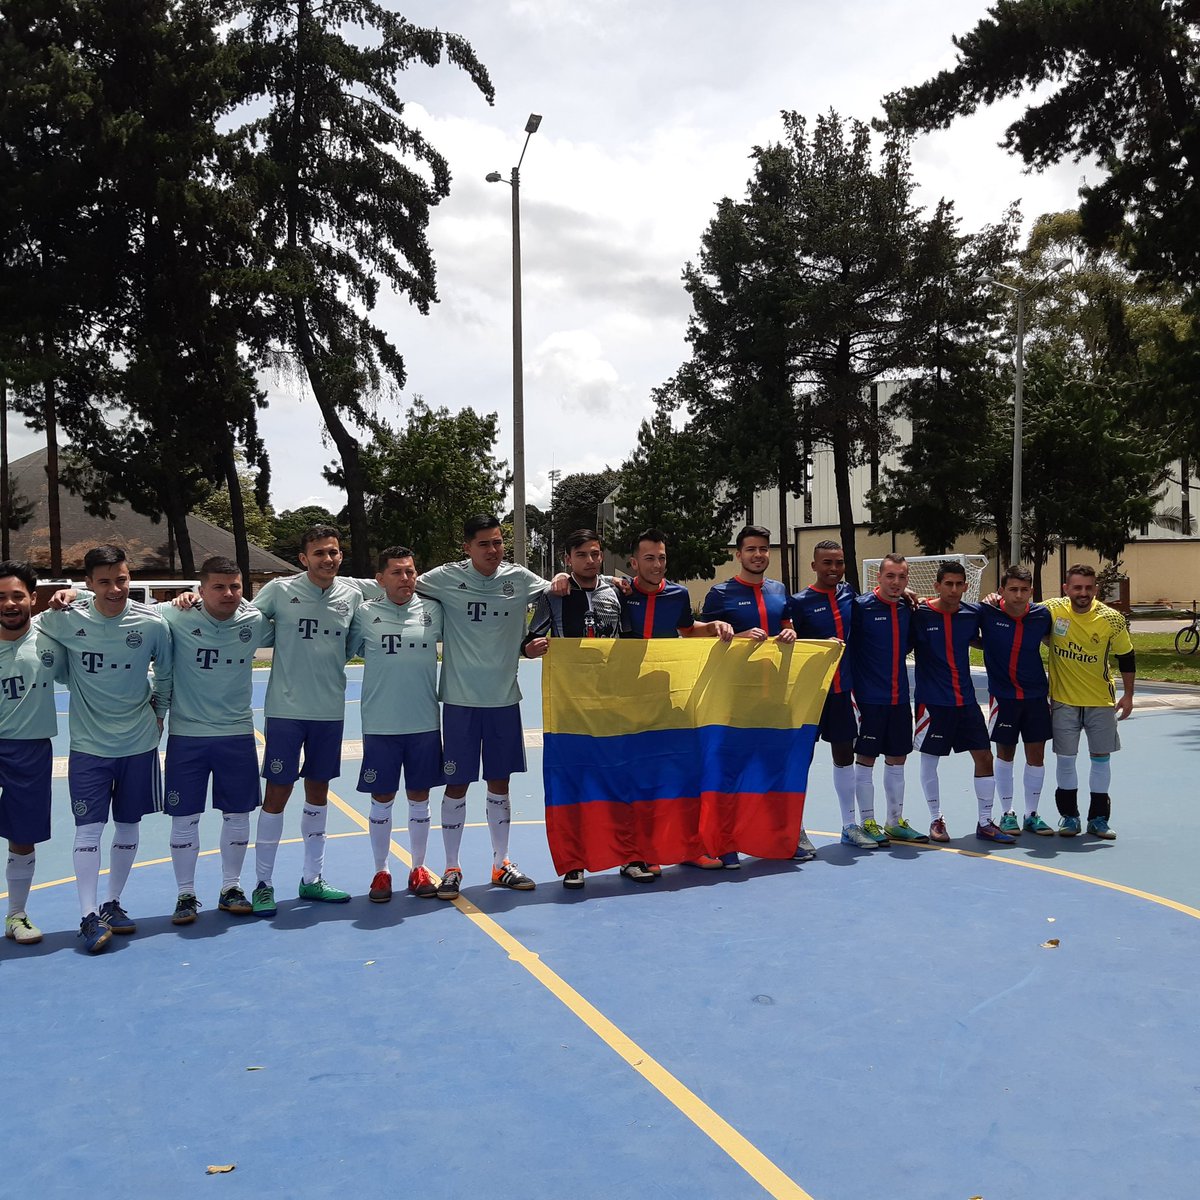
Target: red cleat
420	883
381	887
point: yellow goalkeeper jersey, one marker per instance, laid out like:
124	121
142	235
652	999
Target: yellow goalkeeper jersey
1080	650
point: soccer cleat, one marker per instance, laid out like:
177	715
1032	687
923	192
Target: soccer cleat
902	831
116	918
1035	824
322	892
855	835
420	883
381	888
509	875
803	843
96	935
1098	827
638	872
451	882
20	929
938	831
1010	824
573	880
654	869
263	901
705	862
185	909
872	829
731	862
1068	827
233	900
991	832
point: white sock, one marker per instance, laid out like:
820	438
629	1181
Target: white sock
844	787
985	794
313	819
235	837
930	785
893	791
380	824
499	816
121	856
1066	773
864	791
1004	784
418	830
1100	776
454	814
266	844
185	850
86	858
1033	779
19	877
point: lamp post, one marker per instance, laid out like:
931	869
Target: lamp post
519	547
554	476
1020	296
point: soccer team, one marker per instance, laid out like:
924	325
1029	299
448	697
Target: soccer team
130	667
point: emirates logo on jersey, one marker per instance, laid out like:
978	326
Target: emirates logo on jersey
370	775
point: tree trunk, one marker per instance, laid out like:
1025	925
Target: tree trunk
183	540
5	498
237	513
54	516
840	442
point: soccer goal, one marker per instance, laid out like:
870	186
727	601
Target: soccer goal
922	572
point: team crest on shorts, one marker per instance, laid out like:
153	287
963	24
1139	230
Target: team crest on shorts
450	767
370	775
134	640
79	808
276	766
508	589
47	658
245	634
172	798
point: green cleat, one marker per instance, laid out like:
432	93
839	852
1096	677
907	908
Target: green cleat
902	831
1035	824
262	900
320	890
1068	827
1098	827
871	828
1010	824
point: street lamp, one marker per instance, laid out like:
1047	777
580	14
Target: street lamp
531	127
555	475
1020	296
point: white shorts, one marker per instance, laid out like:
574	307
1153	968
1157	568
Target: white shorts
1068	721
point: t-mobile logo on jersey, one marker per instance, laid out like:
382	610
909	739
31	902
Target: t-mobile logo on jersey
13	688
307	627
476	610
392	642
207	658
92	661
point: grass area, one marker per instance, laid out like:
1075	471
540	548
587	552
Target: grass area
1156	659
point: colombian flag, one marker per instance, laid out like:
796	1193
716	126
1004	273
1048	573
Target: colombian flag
664	749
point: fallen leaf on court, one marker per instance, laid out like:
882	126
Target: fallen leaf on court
221	1170
1052	944
1051	920
369	963
255	1068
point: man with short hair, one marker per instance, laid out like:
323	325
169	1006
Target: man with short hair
948	716
1012	636
879	641
397	636
211	734
116	720
824	610
484	601
1084	638
30	663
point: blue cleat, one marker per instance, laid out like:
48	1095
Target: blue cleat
95	934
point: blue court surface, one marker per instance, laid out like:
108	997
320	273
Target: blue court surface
866	1026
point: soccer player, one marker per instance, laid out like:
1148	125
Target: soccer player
756	608
116	720
29	665
879	641
1012	635
484	601
211	732
397	636
948	717
1084	638
824	610
656	608
305	707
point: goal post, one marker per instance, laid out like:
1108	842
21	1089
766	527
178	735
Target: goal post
922	572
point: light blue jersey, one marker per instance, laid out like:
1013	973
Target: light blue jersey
308	671
398	644
29	668
214	665
108	663
484	618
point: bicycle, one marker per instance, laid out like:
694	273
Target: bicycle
1187	640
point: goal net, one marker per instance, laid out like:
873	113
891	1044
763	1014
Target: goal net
922	572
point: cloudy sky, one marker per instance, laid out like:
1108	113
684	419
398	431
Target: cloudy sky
650	110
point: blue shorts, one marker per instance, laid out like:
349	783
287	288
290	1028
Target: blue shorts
837	718
384	754
231	761
25	769
884	729
131	785
496	732
942	728
1010	721
322	743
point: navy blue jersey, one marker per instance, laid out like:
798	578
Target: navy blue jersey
1012	651
820	613
942	642
762	605
659	614
879	632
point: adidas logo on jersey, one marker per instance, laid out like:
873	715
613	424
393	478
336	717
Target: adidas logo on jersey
377	621
81	633
462	587
197	633
294	600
